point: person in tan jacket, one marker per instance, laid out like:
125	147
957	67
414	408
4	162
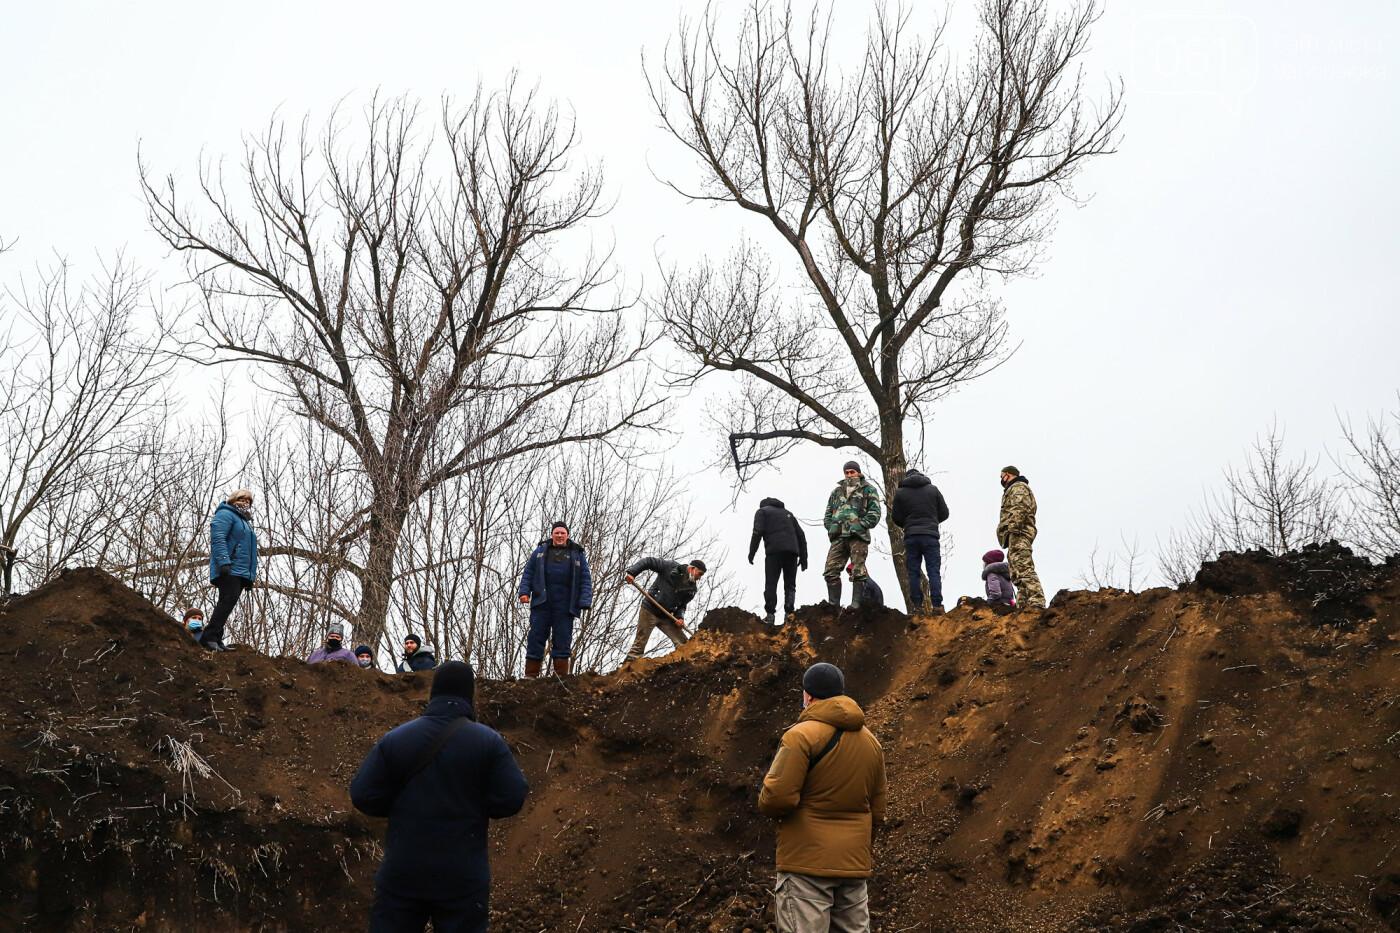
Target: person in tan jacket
827	787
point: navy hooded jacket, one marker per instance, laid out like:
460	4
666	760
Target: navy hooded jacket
532	581
435	848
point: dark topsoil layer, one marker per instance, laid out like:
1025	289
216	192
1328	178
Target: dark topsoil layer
1222	757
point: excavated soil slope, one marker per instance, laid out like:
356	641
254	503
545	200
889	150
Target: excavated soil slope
1222	757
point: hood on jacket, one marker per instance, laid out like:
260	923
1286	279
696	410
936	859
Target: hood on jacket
914	479
841	712
1001	567
775	503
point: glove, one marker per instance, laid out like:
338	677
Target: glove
225	569
751	558
803	565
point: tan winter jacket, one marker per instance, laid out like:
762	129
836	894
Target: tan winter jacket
828	813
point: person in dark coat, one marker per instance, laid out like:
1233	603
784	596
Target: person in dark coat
416	656
919	509
233	562
674	588
439	802
557	586
784	550
871	594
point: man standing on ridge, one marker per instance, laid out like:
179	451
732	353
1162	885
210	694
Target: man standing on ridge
557	586
673	588
827	788
784	548
918	508
1015	532
440	779
851	511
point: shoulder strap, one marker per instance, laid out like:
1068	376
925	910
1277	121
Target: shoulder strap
832	743
432	750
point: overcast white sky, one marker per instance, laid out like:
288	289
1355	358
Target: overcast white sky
1238	260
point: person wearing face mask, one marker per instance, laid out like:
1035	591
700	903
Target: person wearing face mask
334	649
557	586
364	656
194	622
827	789
233	562
1016	534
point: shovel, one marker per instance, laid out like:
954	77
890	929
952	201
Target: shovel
660	608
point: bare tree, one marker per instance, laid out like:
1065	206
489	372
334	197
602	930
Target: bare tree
1117	569
897	189
1373	472
84	376
1273	503
406	293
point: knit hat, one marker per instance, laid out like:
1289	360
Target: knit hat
363	649
337	630
192	611
239	494
1012	470
558	525
851	465
699	565
993	557
824	681
454	678
413	638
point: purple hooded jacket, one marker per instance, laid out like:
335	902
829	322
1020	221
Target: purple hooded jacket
339	654
998	578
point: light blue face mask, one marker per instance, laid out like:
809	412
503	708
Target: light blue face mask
195	625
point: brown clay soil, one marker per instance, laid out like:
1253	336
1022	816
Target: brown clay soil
1221	757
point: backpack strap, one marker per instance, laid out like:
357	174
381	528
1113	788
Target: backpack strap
834	741
432	750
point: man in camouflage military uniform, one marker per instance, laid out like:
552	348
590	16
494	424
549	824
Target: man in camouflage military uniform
851	511
1015	532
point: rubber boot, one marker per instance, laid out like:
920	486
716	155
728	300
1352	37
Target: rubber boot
533	666
857	593
833	593
561	667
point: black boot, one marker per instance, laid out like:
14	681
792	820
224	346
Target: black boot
833	593
769	620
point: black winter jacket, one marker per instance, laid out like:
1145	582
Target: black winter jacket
435	847
918	506
672	588
779	531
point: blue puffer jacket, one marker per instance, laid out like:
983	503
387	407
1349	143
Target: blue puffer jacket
532	582
232	541
435	848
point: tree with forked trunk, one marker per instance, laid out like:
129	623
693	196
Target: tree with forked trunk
408	292
897	190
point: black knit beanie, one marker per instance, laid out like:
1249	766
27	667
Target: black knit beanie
413	638
363	649
558	525
824	681
699	565
454	678
851	465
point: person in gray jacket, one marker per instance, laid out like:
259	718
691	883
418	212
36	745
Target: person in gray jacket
919	508
673	588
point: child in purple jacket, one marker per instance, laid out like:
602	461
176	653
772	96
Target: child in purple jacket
997	574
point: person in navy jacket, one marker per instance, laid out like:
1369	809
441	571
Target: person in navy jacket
233	562
435	855
557	586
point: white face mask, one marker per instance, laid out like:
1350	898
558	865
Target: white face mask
365	662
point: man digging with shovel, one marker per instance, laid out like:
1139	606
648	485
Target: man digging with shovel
663	606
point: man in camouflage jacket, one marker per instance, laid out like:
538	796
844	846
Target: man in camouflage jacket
851	511
1015	532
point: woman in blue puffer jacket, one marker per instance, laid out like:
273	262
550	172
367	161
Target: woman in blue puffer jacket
233	562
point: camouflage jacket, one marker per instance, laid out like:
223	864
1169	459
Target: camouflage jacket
1017	512
852	510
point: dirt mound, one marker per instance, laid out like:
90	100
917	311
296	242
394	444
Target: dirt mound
1328	581
1200	759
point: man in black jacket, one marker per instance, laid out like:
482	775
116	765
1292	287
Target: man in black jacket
673	588
919	508
439	789
784	548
